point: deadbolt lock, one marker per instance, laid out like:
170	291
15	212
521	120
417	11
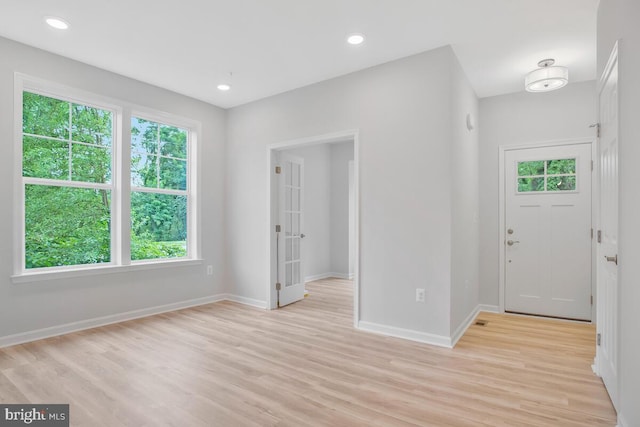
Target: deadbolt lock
510	231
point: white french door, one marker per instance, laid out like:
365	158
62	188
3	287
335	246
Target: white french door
607	259
291	217
548	231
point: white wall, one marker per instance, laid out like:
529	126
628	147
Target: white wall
465	282
317	209
521	118
618	19
341	154
31	306
403	112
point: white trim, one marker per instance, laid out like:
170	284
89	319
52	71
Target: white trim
342	136
55	273
329	275
81	325
315	277
120	186
246	301
622	422
489	308
462	328
407	334
96	322
502	200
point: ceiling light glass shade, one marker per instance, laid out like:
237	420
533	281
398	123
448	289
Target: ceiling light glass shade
546	78
224	87
57	23
355	39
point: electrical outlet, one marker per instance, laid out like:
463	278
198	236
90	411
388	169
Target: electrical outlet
209	270
420	295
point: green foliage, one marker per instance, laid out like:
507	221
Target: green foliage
555	167
66	226
530	168
71	226
560	175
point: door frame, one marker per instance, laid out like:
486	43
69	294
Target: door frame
351	135
502	199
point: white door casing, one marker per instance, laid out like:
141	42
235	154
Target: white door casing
606	264
290	247
547	244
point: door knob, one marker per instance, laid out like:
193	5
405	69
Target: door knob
511	242
612	258
302	235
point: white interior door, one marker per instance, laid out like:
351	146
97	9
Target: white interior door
606	265
548	231
291	196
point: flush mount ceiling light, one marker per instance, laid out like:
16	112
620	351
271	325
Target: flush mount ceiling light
355	39
224	87
546	78
57	23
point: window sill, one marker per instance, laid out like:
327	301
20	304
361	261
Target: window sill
38	276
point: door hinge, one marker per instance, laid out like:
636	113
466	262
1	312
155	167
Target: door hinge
592	165
278	170
597	126
591	299
278	228
598	339
599	236
592	233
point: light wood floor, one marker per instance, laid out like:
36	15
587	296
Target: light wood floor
225	364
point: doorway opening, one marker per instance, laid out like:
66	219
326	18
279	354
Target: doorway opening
313	217
546	233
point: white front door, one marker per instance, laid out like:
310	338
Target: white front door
607	265
291	194
548	231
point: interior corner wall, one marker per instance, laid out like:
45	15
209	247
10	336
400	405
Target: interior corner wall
317	209
521	118
618	20
402	110
465	282
341	154
28	307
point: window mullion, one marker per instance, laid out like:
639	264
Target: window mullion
70	143
123	188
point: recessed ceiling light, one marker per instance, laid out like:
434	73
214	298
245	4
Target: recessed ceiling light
57	23
355	39
224	87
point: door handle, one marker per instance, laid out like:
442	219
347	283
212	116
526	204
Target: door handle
302	235
511	242
612	258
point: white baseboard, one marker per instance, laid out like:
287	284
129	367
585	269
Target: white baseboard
329	275
408	334
81	325
489	308
462	328
246	301
622	422
315	277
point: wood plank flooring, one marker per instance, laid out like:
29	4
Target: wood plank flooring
225	364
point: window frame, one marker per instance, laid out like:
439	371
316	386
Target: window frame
545	176
120	186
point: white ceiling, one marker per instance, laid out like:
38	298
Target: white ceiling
272	46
